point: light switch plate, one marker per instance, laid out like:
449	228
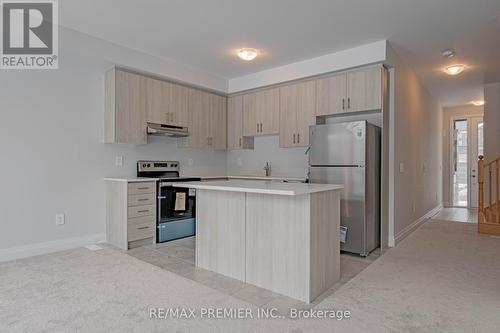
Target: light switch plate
401	167
60	220
119	161
239	161
190	162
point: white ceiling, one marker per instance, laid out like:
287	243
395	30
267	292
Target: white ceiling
206	33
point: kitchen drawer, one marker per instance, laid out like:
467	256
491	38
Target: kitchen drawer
138	211
138	229
141	188
141	199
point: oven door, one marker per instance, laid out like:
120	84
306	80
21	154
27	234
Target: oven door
174	203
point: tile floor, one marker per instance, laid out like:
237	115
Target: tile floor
178	257
457	214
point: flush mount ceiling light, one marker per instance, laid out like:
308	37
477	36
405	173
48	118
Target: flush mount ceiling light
247	54
479	102
454	69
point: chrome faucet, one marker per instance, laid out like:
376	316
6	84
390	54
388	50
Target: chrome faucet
267	168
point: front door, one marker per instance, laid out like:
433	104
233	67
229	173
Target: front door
476	149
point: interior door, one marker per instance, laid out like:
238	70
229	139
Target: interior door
476	149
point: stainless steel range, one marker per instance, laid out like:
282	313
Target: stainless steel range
176	207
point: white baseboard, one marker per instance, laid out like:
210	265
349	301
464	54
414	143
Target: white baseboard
31	250
415	224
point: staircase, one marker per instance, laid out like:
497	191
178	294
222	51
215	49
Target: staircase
489	212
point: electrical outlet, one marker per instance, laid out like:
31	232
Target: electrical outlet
239	161
119	161
60	220
401	167
190	162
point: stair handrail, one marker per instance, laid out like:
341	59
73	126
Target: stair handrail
482	165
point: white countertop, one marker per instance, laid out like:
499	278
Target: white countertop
131	180
290	179
264	187
140	179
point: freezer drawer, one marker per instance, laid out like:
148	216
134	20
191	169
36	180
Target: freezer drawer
362	232
338	144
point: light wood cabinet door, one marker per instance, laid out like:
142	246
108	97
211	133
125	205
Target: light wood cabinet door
217	138
167	103
250	125
331	95
261	112
306	111
178	104
235	122
268	108
125	108
297	113
199	117
364	89
156	101
288	116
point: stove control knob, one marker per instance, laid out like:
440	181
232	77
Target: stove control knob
144	165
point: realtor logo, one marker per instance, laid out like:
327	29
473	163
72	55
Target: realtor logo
29	34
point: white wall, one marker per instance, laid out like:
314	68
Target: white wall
448	114
492	120
418	145
51	151
289	162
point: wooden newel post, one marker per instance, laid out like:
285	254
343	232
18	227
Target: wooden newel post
480	173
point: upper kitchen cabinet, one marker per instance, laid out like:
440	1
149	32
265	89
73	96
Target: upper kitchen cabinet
235	138
364	89
261	112
331	95
297	113
167	103
218	122
357	90
125	108
207	120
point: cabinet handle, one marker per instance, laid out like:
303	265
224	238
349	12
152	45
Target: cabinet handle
257	127
298	138
143	200
293	138
240	141
261	127
143	188
141	228
143	211
343	103
348	102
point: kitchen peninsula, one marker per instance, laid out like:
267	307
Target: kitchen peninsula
279	236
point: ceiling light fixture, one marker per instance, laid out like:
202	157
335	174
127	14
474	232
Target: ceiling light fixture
448	53
454	69
479	102
247	54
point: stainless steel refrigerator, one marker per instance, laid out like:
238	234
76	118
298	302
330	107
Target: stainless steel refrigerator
349	154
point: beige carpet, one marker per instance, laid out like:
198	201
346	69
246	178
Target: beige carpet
442	278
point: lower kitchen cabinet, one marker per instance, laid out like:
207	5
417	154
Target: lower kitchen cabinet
130	213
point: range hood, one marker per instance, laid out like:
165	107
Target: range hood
167	130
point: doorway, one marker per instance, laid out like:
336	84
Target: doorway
467	146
